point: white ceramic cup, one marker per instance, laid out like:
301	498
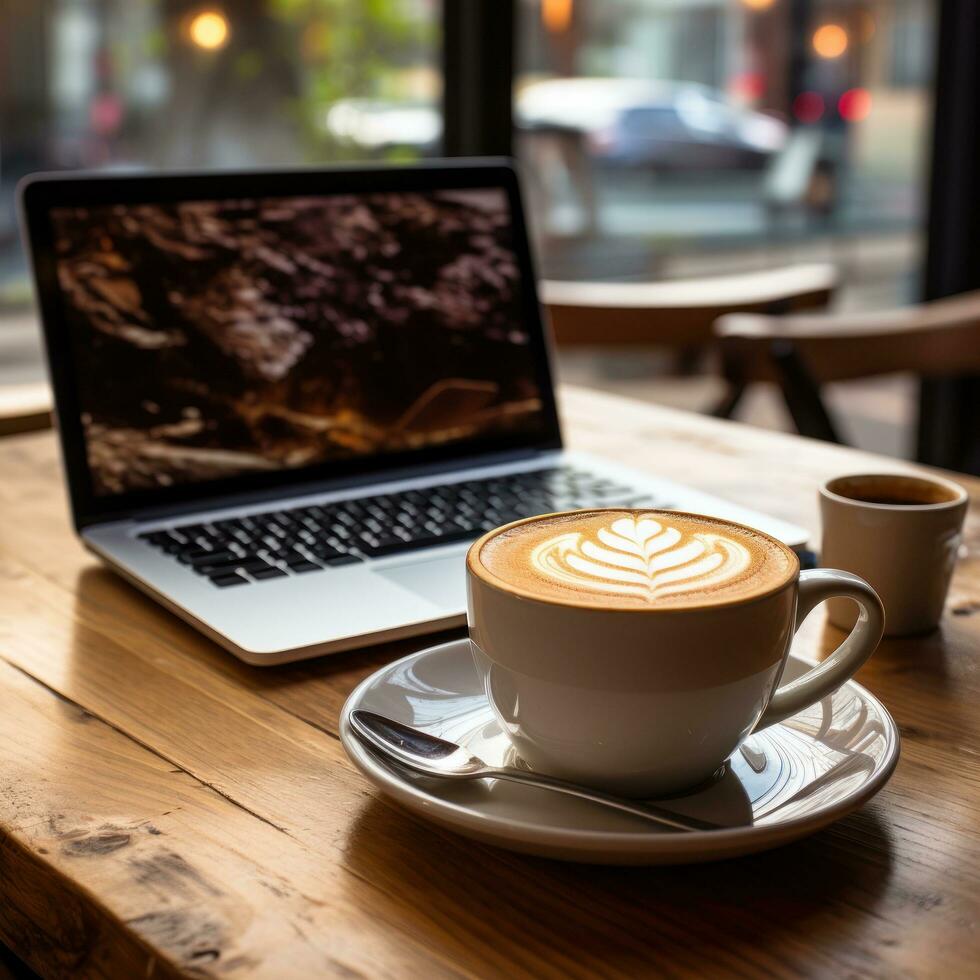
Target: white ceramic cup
906	548
647	702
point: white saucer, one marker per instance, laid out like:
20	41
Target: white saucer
782	784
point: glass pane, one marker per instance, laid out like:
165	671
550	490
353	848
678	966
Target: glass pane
670	138
157	83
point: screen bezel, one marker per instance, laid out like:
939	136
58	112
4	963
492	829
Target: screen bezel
39	194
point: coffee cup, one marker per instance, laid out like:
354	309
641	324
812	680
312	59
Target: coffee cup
633	651
899	532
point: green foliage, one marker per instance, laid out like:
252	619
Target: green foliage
352	49
248	65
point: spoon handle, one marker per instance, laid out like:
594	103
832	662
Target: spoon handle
648	811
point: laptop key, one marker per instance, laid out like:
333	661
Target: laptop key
164	539
254	564
223	581
377	542
298	567
324	549
212	558
194	554
191	531
340	560
170	545
218	568
270	572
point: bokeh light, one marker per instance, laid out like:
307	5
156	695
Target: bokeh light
556	15
747	86
808	107
209	30
855	105
758	4
830	41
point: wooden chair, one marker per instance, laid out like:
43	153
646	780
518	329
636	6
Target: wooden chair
678	314
25	408
801	353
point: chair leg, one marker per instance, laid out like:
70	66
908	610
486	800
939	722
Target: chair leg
729	401
687	359
802	394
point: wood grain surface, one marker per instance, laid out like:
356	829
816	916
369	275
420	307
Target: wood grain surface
166	810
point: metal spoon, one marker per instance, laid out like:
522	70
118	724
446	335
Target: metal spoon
433	756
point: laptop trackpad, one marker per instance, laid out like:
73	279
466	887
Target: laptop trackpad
442	580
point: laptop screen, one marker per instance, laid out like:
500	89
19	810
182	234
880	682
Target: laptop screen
227	339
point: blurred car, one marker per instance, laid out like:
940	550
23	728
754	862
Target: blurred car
377	125
660	126
629	123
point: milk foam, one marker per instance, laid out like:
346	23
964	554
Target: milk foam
636	558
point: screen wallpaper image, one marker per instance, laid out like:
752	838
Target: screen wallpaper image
220	338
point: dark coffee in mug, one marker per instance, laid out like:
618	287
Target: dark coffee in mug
892	490
901	533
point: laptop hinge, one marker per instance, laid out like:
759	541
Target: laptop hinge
313	488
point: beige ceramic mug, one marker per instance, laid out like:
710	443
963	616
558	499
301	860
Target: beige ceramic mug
648	702
899	532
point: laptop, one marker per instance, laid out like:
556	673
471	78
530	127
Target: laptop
288	402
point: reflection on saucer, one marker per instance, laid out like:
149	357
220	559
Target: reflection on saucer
784	782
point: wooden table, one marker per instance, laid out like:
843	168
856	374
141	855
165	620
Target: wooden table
165	809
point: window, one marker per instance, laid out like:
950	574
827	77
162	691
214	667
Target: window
661	138
237	83
669	138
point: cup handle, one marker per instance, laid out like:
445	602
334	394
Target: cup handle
816	586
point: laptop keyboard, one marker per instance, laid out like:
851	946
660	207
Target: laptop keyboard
305	539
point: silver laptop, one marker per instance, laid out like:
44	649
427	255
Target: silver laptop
288	402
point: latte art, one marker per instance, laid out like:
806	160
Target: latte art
641	557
